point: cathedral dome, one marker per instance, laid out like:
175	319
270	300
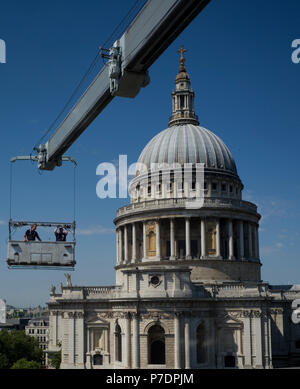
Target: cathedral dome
188	143
185	141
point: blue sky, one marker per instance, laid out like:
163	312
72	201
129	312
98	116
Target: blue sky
247	92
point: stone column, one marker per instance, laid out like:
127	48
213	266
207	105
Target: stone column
81	338
88	343
203	238
188	238
144	241
71	320
126	243
121	245
133	258
209	189
250	240
247	341
172	238
230	235
256	242
258	342
218	239
127	341
177	359
135	342
117	246
266	336
270	341
53	329
241	238
158	250
239	358
187	345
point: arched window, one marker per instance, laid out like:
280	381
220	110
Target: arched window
151	244
118	343
211	238
181	101
200	336
98	360
156	345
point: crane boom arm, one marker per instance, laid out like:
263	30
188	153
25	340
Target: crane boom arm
150	33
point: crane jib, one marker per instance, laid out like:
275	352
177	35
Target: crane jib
155	27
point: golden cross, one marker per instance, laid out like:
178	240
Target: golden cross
182	59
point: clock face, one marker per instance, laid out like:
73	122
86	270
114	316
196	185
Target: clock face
154	280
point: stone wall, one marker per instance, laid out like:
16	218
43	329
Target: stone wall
225	271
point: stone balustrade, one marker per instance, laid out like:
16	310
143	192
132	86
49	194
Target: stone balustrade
180	203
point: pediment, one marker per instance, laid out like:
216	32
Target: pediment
95	318
229	319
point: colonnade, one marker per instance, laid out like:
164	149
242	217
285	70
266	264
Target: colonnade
243	244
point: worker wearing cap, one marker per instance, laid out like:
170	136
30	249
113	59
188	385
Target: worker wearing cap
31	234
61	234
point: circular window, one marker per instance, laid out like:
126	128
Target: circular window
154	280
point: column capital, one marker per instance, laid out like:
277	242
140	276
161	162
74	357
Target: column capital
135	315
71	315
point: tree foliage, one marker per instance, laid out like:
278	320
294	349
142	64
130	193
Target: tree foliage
56	360
24	364
16	345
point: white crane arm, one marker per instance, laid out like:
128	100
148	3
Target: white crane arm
155	27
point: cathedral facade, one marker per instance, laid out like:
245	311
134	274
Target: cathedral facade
188	290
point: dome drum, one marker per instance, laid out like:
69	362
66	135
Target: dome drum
219	237
164	184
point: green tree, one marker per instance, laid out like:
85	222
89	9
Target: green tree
56	358
16	345
4	363
24	364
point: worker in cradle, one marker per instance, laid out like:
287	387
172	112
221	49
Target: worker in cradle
31	234
61	234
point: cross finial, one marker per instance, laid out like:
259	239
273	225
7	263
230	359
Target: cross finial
182	59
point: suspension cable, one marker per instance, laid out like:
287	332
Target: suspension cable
74	202
10	189
116	30
92	66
